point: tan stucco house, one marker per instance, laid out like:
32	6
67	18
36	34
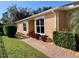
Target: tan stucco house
45	23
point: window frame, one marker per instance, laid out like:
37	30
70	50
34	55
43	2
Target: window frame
38	18
24	26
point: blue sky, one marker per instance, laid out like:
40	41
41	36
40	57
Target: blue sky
30	4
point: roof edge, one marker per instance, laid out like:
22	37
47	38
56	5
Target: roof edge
37	14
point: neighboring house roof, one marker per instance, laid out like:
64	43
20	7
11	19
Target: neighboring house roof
67	7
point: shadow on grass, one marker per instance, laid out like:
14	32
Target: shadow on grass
3	53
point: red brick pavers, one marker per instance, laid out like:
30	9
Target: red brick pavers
50	49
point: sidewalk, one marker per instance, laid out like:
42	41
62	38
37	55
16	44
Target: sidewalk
50	49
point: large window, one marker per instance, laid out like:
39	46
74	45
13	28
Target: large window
40	26
24	26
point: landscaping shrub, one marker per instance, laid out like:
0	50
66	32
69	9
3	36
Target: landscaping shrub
37	36
65	39
31	34
4	29
10	30
1	30
43	37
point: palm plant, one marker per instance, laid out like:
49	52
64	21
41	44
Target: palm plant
74	22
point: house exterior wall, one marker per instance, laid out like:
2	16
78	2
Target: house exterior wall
53	21
63	20
50	24
31	26
20	28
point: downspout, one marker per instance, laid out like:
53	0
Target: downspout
57	20
56	13
56	10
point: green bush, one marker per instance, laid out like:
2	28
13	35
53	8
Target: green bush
65	39
10	30
4	29
1	30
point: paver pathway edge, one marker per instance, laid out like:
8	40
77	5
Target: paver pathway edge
50	49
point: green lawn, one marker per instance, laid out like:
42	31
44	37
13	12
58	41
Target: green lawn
14	48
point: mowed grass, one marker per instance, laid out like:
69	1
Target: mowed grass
15	48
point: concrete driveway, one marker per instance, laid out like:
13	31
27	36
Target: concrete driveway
50	49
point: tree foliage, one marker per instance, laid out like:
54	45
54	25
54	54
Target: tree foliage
41	10
4	19
15	13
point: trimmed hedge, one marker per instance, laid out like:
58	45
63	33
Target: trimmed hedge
10	30
65	39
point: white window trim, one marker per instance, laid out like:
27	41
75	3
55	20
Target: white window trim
26	26
36	25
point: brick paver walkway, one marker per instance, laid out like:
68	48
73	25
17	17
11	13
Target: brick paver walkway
50	49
